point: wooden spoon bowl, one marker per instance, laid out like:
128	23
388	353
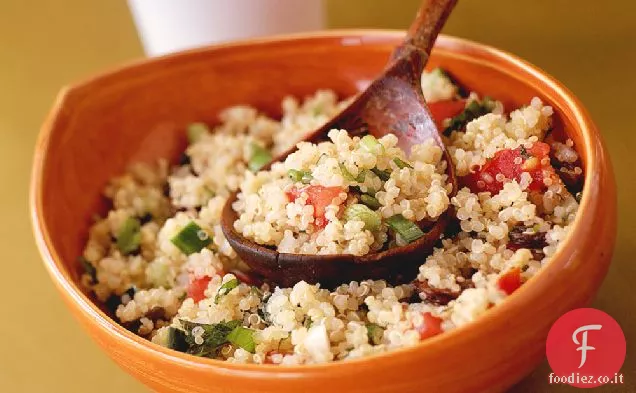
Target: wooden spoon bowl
396	265
393	103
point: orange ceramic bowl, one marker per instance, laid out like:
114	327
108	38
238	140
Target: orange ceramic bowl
99	126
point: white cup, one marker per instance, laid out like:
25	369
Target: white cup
166	26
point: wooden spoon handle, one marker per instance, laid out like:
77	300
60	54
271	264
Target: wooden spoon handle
424	30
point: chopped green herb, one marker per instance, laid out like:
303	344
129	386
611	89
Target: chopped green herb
184	159
112	303
300	176
375	333
196	131
214	336
383	175
370	201
308	322
88	268
444	74
260	157
262	309
370	191
176	340
192	238
225	289
131	292
146	218
371	219
578	196
372	144
114	300
401	164
243	337
472	111
347	175
523	152
408	230
129	236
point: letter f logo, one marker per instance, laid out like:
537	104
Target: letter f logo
583	344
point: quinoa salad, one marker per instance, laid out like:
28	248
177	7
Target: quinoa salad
342	196
159	263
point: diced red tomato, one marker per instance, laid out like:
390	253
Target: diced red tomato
319	197
510	281
197	288
431	326
511	163
442	110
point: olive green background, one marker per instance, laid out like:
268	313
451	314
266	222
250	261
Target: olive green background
44	44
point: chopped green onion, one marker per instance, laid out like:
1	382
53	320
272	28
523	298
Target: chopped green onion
401	164
300	176
225	289
370	201
243	337
375	333
383	175
88	268
129	236
176	339
347	175
196	131
371	144
408	230
306	178
371	219
256	291
192	238
260	158
473	110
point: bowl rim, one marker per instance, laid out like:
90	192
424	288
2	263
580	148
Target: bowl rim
445	43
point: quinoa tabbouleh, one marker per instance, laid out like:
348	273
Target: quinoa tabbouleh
160	263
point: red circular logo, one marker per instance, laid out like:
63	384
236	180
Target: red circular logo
586	348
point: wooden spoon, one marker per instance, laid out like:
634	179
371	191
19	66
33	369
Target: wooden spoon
393	103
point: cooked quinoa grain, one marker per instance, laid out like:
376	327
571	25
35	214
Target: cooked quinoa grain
159	262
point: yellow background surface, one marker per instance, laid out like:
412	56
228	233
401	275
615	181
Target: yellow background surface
44	44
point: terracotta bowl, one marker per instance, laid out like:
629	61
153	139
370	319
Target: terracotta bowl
138	112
